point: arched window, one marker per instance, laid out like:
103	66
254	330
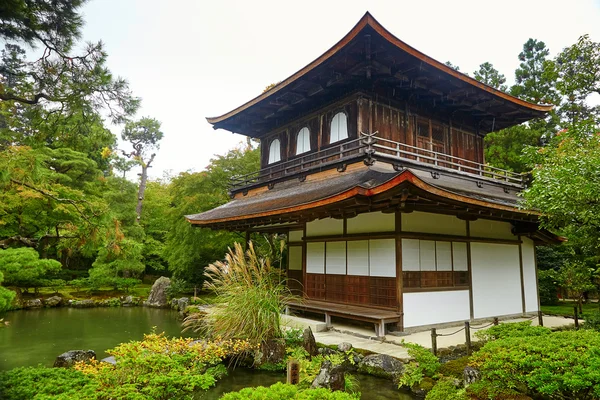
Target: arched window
339	128
275	151
303	141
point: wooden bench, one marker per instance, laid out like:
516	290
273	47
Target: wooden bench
376	316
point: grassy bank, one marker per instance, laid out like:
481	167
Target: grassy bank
565	309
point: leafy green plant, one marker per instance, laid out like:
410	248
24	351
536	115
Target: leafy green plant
161	368
592	321
250	295
293	337
423	364
512	329
42	383
280	391
548	287
558	365
445	389
177	288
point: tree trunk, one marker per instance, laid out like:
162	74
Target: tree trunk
141	190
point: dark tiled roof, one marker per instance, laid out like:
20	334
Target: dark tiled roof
293	193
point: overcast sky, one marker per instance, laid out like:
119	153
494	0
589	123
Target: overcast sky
189	59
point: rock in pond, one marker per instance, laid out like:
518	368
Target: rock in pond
111	360
158	293
270	352
53	301
329	377
129	301
83	303
72	356
382	365
180	304
33	303
309	343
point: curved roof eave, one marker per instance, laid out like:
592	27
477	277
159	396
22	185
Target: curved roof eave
369	20
406	176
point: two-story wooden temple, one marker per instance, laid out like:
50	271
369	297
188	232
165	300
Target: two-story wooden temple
372	163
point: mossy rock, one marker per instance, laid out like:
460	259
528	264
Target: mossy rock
423	387
455	368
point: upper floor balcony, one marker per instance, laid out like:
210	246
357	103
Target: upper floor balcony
370	148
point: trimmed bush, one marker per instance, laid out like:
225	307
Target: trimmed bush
446	390
280	391
512	329
557	365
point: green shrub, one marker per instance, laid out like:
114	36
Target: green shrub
446	390
512	329
424	364
177	288
41	383
454	368
548	287
293	337
592	321
557	365
250	295
281	391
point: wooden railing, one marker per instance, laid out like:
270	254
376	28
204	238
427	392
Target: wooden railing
301	163
402	151
372	148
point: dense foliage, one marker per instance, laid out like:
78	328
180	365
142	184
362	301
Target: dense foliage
285	391
558	365
154	368
424	364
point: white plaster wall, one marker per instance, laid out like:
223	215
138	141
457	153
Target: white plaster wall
433	223
371	222
429	308
315	258
529	277
358	257
295	258
487	228
382	257
325	226
295	236
496	279
335	258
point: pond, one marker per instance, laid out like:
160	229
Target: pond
38	336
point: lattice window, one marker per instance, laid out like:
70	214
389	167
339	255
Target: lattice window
434	264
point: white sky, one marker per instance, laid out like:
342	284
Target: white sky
191	59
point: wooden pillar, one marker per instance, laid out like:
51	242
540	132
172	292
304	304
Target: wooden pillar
521	274
247	242
399	276
469	266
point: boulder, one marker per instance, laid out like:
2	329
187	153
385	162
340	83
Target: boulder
327	351
330	377
111	360
180	304
471	375
53	301
381	365
270	352
158	293
83	303
128	301
309	343
345	346
72	356
33	303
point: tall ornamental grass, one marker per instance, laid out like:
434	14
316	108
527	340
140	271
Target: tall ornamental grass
250	296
